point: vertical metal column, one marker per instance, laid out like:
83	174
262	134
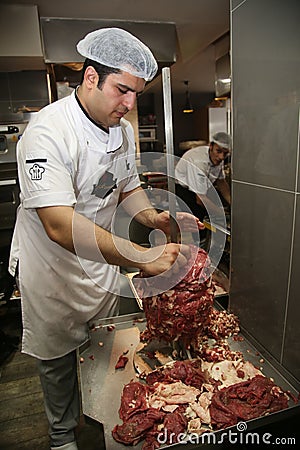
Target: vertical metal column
166	80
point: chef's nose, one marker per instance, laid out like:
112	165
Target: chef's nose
129	100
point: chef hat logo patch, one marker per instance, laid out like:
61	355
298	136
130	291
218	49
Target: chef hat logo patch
36	172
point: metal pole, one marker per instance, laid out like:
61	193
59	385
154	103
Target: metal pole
166	80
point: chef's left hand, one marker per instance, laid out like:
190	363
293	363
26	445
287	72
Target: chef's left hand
185	222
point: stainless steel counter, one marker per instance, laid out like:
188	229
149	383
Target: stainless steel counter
102	384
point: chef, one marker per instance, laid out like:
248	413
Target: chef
76	163
200	178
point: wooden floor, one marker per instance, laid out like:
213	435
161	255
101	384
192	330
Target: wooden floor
23	423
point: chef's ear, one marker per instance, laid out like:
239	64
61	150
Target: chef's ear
91	77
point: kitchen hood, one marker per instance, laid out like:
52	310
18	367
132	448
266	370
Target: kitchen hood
223	76
61	35
20	38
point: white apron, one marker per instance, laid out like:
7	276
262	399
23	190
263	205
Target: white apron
64	159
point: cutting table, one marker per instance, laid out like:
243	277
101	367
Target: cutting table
102	384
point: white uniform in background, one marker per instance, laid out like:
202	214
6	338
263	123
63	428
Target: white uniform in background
78	165
196	172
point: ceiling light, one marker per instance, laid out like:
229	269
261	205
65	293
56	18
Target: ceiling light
188	106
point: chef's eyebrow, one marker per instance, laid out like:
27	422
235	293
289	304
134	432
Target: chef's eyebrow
127	88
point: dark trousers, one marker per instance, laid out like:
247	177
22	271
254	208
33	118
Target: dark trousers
61	397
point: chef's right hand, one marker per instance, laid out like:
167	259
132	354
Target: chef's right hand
163	258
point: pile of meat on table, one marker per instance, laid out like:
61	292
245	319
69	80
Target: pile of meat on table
215	389
194	396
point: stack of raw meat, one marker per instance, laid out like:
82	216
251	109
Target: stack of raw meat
214	390
186	311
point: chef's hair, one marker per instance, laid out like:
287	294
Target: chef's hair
101	70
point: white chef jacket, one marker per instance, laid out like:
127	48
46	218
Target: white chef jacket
196	172
66	159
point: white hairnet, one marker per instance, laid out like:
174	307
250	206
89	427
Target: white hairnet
222	139
114	47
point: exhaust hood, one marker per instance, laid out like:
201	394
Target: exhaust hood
223	76
61	35
20	38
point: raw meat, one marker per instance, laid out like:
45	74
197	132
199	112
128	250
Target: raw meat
185	313
189	371
121	363
170	403
247	400
182	313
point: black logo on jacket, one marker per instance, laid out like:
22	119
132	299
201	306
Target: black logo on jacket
105	186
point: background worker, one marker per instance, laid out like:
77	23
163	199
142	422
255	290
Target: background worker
76	164
199	172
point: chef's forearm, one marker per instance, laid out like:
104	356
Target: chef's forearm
95	243
82	237
137	205
224	189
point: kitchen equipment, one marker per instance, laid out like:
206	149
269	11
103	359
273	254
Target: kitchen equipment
147	134
166	78
9	197
9	136
9	187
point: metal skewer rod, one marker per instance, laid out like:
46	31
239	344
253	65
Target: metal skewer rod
166	80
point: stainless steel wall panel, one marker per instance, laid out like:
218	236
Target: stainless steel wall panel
266	80
236	3
264	152
291	343
28	85
260	261
265	242
298	142
4	86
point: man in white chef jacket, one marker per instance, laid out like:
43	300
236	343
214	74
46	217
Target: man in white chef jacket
199	171
76	163
200	178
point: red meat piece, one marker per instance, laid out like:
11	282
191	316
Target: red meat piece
121	363
134	399
246	400
135	428
188	372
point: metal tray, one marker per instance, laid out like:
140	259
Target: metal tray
102	384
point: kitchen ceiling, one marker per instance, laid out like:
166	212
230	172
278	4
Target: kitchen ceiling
202	28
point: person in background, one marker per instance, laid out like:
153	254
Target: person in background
76	164
199	172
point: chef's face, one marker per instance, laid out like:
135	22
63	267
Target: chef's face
116	96
217	154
